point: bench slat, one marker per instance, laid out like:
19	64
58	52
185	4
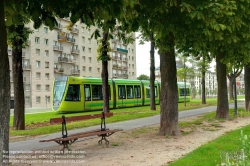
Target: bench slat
82	135
78	118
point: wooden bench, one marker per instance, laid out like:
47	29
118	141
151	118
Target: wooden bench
67	140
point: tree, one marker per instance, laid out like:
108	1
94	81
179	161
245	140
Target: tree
5	91
247	86
17	39
143	77
232	75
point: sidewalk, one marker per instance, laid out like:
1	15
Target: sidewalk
34	144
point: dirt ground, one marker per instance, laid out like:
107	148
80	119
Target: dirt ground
137	147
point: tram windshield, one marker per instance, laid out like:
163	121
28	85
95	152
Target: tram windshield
59	88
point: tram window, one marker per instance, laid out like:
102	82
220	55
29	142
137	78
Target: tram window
156	92
182	92
87	92
121	92
137	91
73	93
130	92
97	92
148	92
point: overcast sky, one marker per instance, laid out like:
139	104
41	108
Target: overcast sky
143	58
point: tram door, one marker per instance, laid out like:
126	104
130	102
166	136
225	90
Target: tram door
138	98
121	96
97	97
87	97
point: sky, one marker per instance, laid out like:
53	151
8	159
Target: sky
143	59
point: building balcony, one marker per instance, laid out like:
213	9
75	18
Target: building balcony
62	59
122	50
61	38
60	70
75	51
75	30
70	39
58	26
71	60
125	59
125	75
125	68
57	48
66	60
114	57
26	67
9	52
115	66
114	75
75	72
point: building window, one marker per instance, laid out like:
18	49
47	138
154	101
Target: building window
89	40
89	59
48	99
83	49
38	87
88	31
46	53
37	51
46	64
47	88
83	58
38	99
46	41
89	50
83	39
98	70
132	50
37	40
47	76
38	76
27	100
45	30
90	69
27	87
83	68
132	58
37	63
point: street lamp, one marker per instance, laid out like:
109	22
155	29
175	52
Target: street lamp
235	95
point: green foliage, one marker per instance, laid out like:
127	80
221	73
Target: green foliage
143	77
103	48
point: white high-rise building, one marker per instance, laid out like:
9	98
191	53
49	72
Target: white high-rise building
63	52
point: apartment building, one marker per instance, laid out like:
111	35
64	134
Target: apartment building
63	52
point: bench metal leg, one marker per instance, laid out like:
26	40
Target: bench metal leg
103	138
66	144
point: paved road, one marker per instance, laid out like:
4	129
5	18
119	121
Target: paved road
34	144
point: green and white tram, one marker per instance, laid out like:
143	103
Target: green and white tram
77	94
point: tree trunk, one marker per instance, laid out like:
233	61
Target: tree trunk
105	89
247	86
152	73
5	91
169	90
203	72
19	110
222	98
231	87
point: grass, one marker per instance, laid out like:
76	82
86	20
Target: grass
209	154
38	124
